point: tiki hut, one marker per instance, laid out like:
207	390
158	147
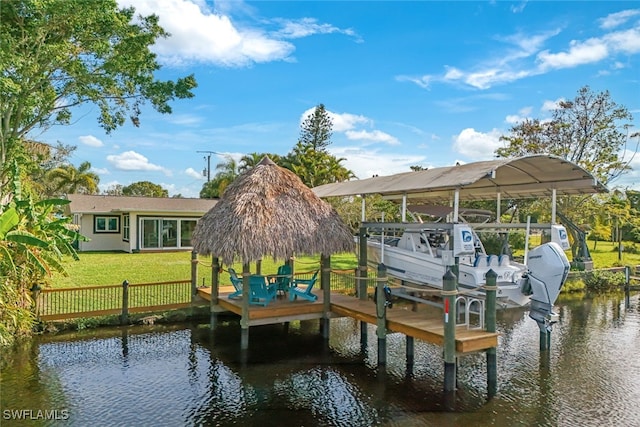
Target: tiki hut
268	211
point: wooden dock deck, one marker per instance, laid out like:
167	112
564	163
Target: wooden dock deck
413	324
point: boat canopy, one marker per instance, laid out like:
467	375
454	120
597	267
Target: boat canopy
515	178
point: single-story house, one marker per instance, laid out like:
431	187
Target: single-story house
132	224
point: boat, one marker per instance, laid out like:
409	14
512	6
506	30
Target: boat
421	253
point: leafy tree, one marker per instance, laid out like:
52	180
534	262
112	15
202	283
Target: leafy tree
33	240
145	189
56	55
68	180
44	158
310	159
350	210
316	167
114	190
316	129
227	173
591	130
585	130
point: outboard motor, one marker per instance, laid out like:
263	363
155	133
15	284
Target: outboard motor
548	270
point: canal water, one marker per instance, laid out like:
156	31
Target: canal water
188	376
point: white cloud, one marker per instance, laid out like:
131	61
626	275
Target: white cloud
304	27
616	19
477	145
100	171
376	136
194	173
132	161
90	140
341	122
627	42
424	81
367	162
201	36
519	7
579	53
184	119
525	56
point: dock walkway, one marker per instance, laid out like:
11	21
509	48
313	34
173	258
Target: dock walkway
413	324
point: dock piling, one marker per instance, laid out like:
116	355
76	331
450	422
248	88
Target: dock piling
124	317
361	280
381	314
215	291
490	321
449	292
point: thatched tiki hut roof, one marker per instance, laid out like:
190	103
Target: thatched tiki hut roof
268	211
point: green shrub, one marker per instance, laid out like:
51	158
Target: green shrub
603	281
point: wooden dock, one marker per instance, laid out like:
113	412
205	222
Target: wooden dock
413	324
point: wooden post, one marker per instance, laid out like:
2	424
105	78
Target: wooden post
362	265
361	281
490	321
124	317
410	352
246	295
194	275
325	283
215	291
627	286
381	314
35	294
449	292
259	267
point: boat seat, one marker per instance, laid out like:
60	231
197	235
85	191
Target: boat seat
504	260
481	261
492	261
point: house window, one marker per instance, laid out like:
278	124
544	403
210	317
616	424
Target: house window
125	227
106	224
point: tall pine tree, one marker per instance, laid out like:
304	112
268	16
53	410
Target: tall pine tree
316	130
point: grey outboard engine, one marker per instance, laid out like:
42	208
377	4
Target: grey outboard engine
548	270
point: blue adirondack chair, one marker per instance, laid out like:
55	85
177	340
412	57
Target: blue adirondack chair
283	278
302	288
262	292
237	284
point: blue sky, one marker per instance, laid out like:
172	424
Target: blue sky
406	83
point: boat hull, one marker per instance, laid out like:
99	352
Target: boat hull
425	270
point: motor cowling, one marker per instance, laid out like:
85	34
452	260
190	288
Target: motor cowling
548	270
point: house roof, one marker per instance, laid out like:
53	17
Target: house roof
82	203
523	177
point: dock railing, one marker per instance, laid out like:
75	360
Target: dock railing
93	301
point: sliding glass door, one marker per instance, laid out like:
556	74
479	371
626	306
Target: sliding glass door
166	233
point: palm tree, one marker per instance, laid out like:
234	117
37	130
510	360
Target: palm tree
68	180
248	161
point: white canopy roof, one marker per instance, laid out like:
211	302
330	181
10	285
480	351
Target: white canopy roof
523	177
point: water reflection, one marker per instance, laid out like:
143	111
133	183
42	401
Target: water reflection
189	375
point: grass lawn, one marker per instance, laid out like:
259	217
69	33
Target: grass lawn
112	268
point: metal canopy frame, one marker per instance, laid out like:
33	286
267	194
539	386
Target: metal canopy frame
523	177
